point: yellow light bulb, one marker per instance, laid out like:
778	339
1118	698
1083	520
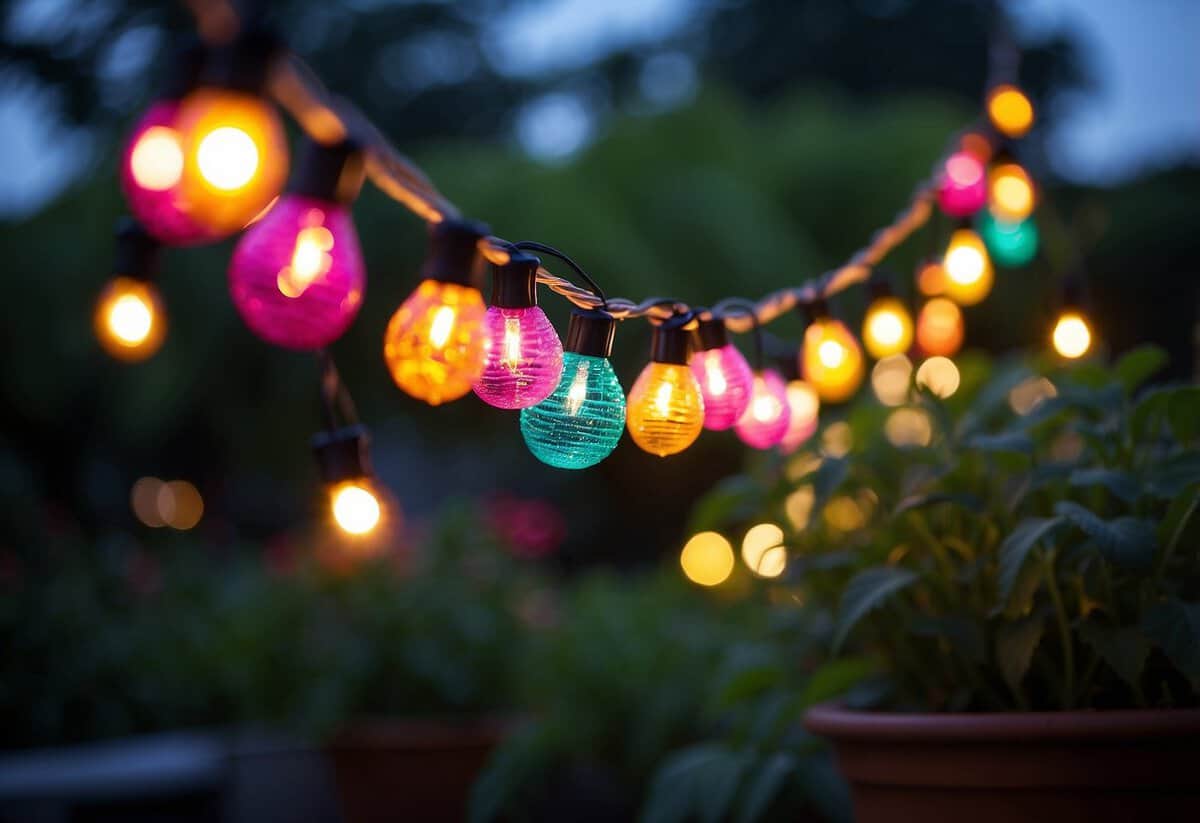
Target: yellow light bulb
235	157
831	360
436	341
939	375
969	274
940	327
665	410
1010	111
356	509
129	321
1072	336
156	161
707	558
1010	193
887	328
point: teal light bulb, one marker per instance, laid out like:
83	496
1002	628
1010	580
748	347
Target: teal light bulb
1009	244
579	424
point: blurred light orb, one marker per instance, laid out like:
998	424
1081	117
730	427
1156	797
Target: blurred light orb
180	505
1010	111
963	187
763	551
129	321
940	376
931	278
908	426
1072	336
940	329
798	507
707	559
844	514
143	499
887	328
1009	244
156	161
1011	195
356	509
227	158
1028	394
891	379
969	272
765	420
837	439
831	360
804	407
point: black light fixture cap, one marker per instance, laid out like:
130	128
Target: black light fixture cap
816	309
343	454
454	255
590	332
671	340
333	173
514	284
138	253
244	64
711	333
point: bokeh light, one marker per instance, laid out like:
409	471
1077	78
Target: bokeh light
798	506
355	507
763	551
1009	244
1027	394
177	503
843	514
837	439
156	159
931	278
707	559
1072	336
887	328
940	328
1010	111
130	323
969	274
939	375
908	427
891	379
1011	195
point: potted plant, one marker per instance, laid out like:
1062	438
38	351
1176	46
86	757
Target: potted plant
1021	561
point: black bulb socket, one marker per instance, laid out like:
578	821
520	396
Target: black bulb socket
343	454
245	63
671	340
590	332
815	310
711	333
453	253
333	173
514	284
138	254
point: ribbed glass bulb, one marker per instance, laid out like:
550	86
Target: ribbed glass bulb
581	421
887	327
665	410
963	188
297	276
524	358
969	274
435	342
725	380
151	174
766	418
831	360
804	407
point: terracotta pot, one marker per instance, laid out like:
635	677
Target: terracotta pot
1098	767
395	769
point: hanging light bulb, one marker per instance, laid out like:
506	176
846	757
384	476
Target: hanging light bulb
940	328
962	190
436	341
1010	111
804	406
724	376
1072	335
969	274
524	357
831	359
153	157
296	276
665	412
887	325
581	421
235	154
129	320
931	278
1011	195
765	421
1009	244
355	499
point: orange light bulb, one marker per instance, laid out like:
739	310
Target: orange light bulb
1010	111
129	321
665	410
940	328
887	328
969	274
831	360
436	341
1011	196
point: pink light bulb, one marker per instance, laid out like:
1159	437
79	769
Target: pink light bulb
523	360
725	380
766	418
151	171
962	190
804	406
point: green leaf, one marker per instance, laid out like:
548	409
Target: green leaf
1015	549
1124	649
835	678
1174	475
1138	365
764	785
733	499
700	781
865	592
1017	442
961	499
1015	645
1129	542
1122	484
1150	410
963	635
1174	626
1183	412
748	682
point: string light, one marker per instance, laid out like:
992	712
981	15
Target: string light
665	412
804	407
1011	196
1009	244
523	361
436	341
724	376
830	357
1072	336
129	320
766	419
962	190
707	559
297	276
887	325
354	499
1010	111
580	423
940	328
969	274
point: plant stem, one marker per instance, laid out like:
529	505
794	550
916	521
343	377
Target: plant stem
1064	631
1165	558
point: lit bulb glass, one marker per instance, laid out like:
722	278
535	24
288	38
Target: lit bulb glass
763	551
524	358
804	407
297	276
129	321
235	156
580	423
707	559
887	328
435	342
831	360
892	377
1072	336
931	278
1009	244
725	380
940	328
665	412
963	187
969	274
939	375
151	173
766	418
1010	111
355	507
1011	195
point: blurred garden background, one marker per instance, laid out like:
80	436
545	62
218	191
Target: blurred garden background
689	148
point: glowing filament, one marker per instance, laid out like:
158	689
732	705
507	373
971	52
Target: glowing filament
355	509
578	391
227	158
766	408
130	319
510	358
157	160
716	377
1072	337
662	400
310	260
443	324
831	353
